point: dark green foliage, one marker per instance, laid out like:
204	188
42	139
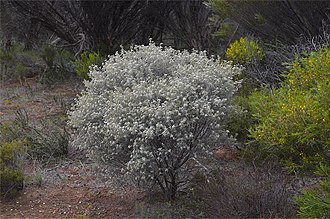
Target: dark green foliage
16	63
239	125
48	55
58	64
11	155
316	203
226	30
223	8
11	182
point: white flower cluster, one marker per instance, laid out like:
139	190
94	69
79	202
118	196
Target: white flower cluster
154	108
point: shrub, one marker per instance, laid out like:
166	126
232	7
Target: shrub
240	121
49	63
58	64
11	176
225	31
11	182
272	69
84	62
48	142
294	120
17	63
243	51
48	139
244	192
156	110
316	203
6	57
262	64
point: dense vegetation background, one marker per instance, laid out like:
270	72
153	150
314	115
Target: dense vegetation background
280	120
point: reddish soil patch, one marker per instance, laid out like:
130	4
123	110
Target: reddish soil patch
37	101
73	197
226	153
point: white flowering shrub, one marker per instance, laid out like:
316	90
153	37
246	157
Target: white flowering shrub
156	110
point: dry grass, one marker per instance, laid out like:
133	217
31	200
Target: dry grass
245	192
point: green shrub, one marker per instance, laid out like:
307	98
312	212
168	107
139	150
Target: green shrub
8	151
47	139
82	64
50	63
294	121
48	55
222	7
260	19
16	62
11	182
8	52
10	131
243	51
316	203
225	31
11	176
239	124
6	56
20	69
58	64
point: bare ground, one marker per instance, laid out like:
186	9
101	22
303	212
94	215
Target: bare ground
75	193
